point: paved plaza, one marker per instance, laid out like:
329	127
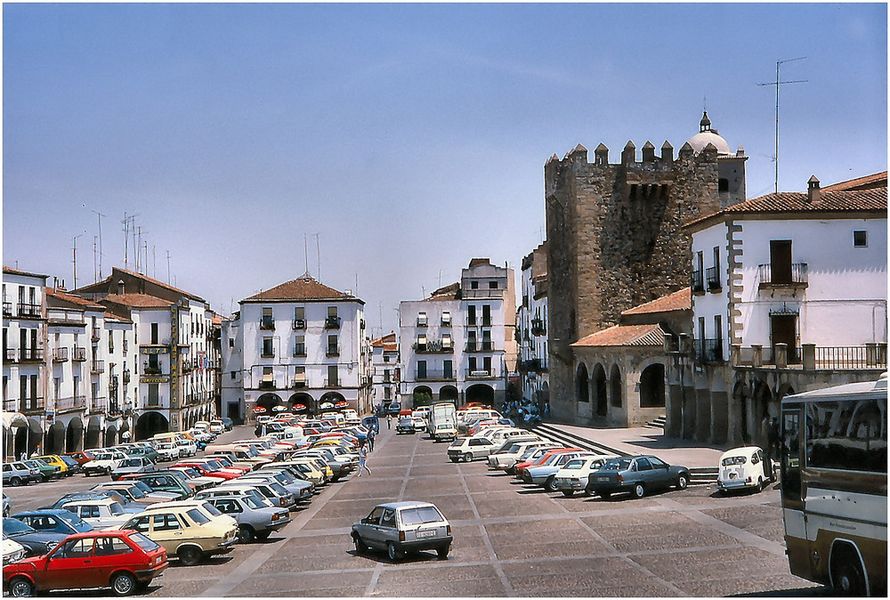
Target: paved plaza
511	539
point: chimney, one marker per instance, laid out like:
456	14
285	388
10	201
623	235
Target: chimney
814	194
120	287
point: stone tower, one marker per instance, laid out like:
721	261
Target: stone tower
615	238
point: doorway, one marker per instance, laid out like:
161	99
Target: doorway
784	331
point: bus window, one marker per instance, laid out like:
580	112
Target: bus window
791	455
851	436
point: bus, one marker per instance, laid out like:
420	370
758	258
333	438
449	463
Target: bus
834	486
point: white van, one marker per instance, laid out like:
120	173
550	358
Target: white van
743	468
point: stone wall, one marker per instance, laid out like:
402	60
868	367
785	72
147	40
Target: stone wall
615	238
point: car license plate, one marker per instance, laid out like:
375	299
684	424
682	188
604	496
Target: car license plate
602	479
426	534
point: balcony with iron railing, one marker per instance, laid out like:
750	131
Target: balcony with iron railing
10	355
187	365
267	323
422	322
267	353
97	367
533	365
95	334
332	322
434	375
480	373
268	384
151	368
445	322
31	355
60	355
538	327
78	402
709	350
332	383
29	311
712	279
434	347
845	358
32	406
299	324
484	346
299	350
7	309
126	376
332	351
794	275
300	381
80	354
697	282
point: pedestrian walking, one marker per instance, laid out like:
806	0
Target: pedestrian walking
371	440
362	457
389	421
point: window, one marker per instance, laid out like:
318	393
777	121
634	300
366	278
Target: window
447	369
332	375
446	318
143	542
332	345
419	516
474	285
387	393
299	313
860	239
267	347
197	517
233	375
153	399
75	549
375	515
300	345
722	185
228	505
389	518
847	435
421	369
231	343
111	341
421	319
109	546
332	312
154	333
791	455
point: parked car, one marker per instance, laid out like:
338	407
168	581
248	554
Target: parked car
256	520
167	451
190	530
53	519
510	450
419	423
135	492
161	481
193	478
103	462
572	476
233	490
545	474
47	472
401	527
301	490
743	469
530	454
101	513
132	465
217	426
73	466
469	449
372	422
637	475
405	425
273	491
6	506
35	542
114	495
444	431
12	551
545	459
18	473
55	460
125	561
228	423
81	456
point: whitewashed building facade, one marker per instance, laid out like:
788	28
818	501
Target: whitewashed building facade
385	369
531	329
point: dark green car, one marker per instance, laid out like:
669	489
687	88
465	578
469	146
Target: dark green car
47	472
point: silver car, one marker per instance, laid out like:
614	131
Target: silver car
302	490
401	527
469	449
272	490
256	520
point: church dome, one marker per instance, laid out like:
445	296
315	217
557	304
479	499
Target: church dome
706	136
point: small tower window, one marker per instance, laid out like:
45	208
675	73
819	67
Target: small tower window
723	185
860	239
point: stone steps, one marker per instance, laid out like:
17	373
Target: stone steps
657	422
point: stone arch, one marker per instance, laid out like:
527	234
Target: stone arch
268	401
784	390
480	392
599	390
582	384
765	407
93	437
448	393
74	435
29	437
124	431
150	423
110	435
422	396
300	402
329	401
652	386
615	386
55	439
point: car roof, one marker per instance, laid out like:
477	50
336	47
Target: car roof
744	450
177	504
88	501
59	512
404	504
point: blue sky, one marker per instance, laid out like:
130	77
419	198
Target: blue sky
410	137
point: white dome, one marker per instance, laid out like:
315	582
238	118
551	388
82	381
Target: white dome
703	138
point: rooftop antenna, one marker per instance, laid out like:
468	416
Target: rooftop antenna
306	252
318	256
100	215
168	266
779	83
75	258
440	277
154	261
95	264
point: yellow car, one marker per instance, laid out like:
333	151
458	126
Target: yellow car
55	461
307	467
190	529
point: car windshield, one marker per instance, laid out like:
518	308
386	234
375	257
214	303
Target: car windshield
619	464
141	486
136	492
211	509
418	516
279	489
574	464
458	442
252	502
443	427
76	522
14	527
116	509
143	542
734	460
197	516
213	464
131	462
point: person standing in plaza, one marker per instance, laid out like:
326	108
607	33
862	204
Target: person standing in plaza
362	458
389	421
371	439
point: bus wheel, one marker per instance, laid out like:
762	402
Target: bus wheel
847	576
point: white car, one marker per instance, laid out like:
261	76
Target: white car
186	447
167	451
217	427
572	476
103	513
510	450
201	426
469	449
12	551
103	462
419	424
445	431
743	468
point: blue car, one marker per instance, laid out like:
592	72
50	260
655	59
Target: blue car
129	507
371	423
53	520
37	543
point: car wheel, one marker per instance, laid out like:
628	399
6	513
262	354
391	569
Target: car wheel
588	492
550	485
245	534
682	481
108	470
442	552
359	544
468	457
21	588
639	490
123	584
570	493
454	459
189	555
393	553
15	482
847	577
605	495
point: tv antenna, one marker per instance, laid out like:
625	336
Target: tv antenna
779	83
100	215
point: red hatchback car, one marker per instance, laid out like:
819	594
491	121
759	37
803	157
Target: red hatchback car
521	468
125	561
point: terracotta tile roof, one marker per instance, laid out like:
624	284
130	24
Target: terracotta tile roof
13	271
158	282
216	319
623	335
110	283
302	288
867	200
109	316
448	292
389	338
679	300
865	182
137	300
479	262
64	297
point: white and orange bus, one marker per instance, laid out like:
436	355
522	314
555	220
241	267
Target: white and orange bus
834	486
